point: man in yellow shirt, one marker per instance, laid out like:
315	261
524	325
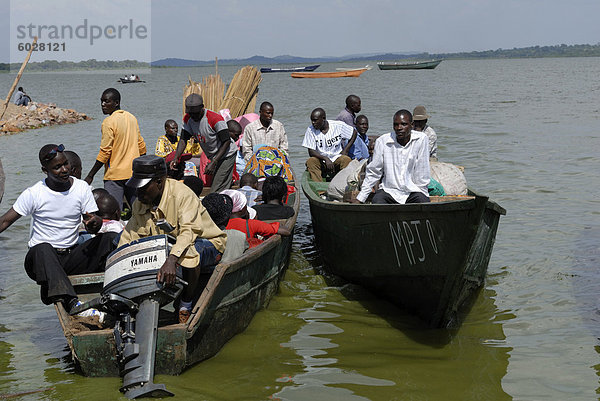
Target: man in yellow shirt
166	206
121	143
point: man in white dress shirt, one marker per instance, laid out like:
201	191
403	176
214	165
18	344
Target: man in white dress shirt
402	158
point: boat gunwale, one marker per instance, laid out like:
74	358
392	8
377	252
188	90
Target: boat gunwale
440	206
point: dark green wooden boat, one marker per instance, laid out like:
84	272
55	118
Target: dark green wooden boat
234	293
413	65
425	258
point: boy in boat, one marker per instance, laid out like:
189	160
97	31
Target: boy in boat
199	242
57	205
168	142
121	143
323	139
402	158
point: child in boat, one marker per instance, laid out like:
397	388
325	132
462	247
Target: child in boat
274	194
108	210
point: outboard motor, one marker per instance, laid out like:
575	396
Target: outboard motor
132	294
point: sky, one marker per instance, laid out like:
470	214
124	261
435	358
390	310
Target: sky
203	30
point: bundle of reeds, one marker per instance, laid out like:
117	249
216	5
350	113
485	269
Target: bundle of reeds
240	97
241	94
211	89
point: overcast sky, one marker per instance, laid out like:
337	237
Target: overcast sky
203	30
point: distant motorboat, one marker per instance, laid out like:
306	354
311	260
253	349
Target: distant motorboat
415	65
354	72
290	69
129	80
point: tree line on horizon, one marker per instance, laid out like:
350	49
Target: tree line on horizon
562	50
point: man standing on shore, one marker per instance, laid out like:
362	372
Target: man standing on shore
121	143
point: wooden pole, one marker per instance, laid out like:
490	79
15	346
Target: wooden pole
14	85
216	66
1	181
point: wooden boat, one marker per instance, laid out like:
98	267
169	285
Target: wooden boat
415	65
426	258
355	72
368	67
129	81
290	69
2	178
233	294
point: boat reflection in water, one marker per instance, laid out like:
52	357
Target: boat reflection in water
353	345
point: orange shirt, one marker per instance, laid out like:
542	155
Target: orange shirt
121	143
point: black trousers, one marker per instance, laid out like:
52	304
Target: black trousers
50	268
383	197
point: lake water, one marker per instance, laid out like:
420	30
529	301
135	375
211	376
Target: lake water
527	133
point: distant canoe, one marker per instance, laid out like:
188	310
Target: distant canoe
368	67
416	65
334	74
292	69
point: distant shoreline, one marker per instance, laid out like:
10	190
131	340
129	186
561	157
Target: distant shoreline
516	53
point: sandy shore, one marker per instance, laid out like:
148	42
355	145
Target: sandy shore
36	115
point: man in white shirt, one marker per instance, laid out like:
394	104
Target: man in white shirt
323	139
265	131
57	205
402	159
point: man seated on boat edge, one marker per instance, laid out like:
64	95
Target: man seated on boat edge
402	159
57	205
323	139
167	206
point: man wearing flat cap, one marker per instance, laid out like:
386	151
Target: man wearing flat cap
210	130
199	242
420	118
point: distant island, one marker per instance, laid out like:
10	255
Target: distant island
524	52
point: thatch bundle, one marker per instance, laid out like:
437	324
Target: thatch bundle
211	89
240	97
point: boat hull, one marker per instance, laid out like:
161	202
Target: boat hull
332	74
419	65
426	258
294	69
229	301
